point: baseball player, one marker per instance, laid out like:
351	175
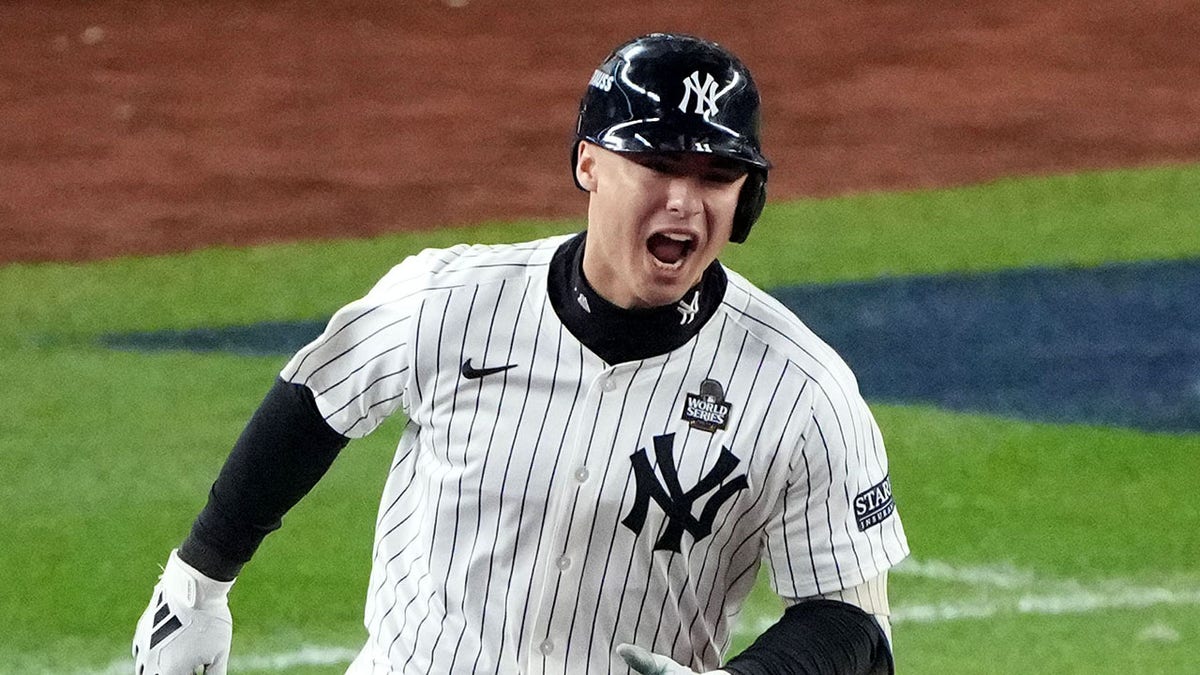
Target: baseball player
608	433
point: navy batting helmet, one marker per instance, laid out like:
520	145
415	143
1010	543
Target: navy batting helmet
667	92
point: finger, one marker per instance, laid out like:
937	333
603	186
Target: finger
218	666
642	661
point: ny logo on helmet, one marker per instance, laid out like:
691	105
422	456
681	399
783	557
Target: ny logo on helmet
676	503
706	94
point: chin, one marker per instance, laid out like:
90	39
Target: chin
663	293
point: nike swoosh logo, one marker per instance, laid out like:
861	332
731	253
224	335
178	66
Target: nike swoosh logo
476	373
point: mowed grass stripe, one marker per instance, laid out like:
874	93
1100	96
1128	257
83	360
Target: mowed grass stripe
1081	219
1025	594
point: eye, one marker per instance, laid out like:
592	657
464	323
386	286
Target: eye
724	175
658	165
718	172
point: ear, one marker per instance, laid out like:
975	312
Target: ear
585	166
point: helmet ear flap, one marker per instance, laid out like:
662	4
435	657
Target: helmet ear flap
751	200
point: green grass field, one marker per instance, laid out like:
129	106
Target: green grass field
1037	548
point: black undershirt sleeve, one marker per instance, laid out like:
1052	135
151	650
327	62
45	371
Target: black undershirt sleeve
285	449
818	637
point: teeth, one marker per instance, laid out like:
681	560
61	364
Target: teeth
677	237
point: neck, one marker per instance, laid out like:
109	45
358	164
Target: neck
619	334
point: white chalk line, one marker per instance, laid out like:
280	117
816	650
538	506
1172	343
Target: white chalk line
1082	602
1037	597
1034	596
998	576
1022	593
306	655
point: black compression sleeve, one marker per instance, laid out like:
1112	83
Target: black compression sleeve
818	637
285	449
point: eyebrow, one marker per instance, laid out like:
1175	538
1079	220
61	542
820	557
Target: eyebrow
678	162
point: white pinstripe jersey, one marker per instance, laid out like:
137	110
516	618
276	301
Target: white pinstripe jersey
508	537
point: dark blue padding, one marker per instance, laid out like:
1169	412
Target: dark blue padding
1111	345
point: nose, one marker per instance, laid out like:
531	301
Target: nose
684	196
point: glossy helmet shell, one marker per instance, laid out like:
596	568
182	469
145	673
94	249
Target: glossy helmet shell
668	92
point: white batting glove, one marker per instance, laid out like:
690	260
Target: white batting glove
187	628
646	663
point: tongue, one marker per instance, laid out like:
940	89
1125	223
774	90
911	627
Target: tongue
666	249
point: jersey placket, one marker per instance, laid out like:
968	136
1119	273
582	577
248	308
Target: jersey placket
561	566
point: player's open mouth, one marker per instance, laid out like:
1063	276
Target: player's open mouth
670	249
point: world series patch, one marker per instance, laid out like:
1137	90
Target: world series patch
708	410
874	505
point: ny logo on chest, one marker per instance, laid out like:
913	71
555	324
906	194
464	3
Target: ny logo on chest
671	498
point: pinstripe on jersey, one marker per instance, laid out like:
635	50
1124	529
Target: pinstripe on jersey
499	542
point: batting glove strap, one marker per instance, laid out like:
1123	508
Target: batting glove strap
189	587
187	627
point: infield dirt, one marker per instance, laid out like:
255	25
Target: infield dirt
158	127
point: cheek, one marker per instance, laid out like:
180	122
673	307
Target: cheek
640	209
625	192
724	204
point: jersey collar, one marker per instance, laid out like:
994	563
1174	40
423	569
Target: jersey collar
616	334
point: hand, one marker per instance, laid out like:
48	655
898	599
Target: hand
642	661
187	628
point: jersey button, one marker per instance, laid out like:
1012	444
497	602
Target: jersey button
563	563
546	647
581	474
610	384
